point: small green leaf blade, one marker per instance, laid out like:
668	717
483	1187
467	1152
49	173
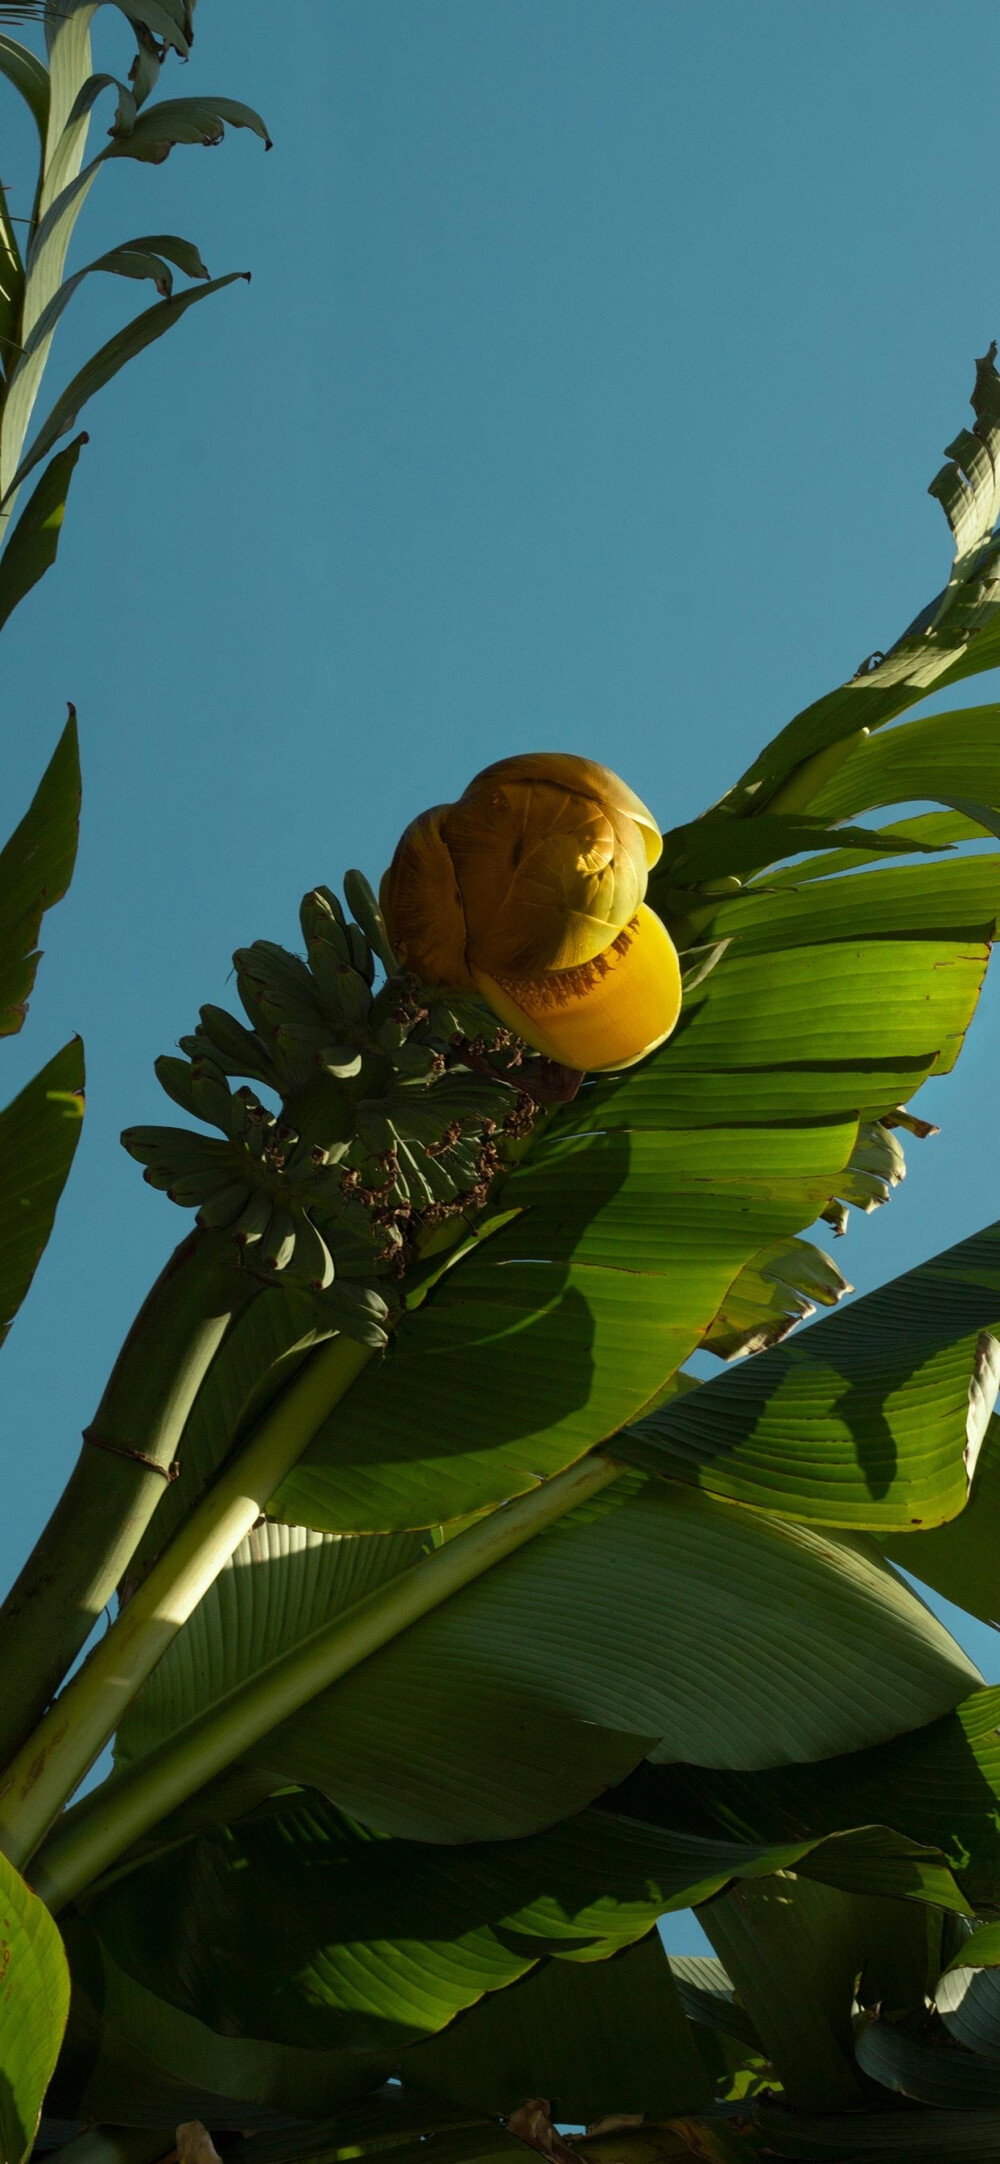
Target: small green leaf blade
34	542
35	870
34	1982
39	1132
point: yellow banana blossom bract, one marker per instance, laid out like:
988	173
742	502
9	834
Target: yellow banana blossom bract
530	890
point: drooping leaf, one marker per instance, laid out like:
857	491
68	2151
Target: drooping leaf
35	870
960	1559
873	1418
926	2068
939	1784
150	255
638	1613
39	1132
774	1292
968	2000
157	128
34	1985
374	1954
32	546
795	1951
384	1941
132	2059
592	2037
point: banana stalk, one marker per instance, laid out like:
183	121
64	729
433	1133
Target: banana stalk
97	1831
59	1752
119	1478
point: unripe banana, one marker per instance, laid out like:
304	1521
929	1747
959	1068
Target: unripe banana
255	1218
279	1243
220	1209
364	906
312	1263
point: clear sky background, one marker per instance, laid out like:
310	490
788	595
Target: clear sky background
597	357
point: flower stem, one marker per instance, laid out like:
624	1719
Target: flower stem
111	1496
55	1757
97	1830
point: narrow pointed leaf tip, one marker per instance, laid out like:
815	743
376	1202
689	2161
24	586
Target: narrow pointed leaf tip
531	890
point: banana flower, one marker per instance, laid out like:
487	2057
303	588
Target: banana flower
530	890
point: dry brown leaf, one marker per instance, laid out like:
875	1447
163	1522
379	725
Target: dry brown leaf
531	2123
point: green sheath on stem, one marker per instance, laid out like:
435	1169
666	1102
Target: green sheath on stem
99	1829
55	1757
110	1497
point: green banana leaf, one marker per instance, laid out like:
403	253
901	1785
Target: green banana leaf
795	1951
682	1171
776	1290
35	870
960	1559
593	2038
393	2117
35	2003
874	1418
936	2137
940	756
613	1634
709	2000
384	1942
980	1951
933	830
714	847
39	1132
962	894
968	2000
132	2059
939	1784
926	2069
32	547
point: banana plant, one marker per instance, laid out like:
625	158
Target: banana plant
62	95
39	1130
462	1632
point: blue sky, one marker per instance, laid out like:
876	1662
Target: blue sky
596	360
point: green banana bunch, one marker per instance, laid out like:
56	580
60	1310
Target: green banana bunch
395	1109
